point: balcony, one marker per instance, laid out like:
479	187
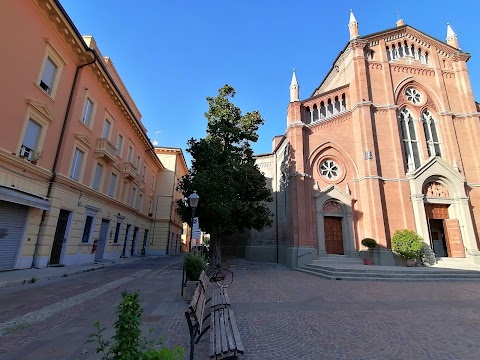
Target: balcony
129	171
106	150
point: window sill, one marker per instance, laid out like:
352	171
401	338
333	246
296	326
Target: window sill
50	97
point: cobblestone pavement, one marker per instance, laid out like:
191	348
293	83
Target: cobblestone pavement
281	314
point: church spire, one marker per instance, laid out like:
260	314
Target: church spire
353	26
452	37
294	88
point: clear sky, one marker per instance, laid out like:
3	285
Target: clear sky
171	55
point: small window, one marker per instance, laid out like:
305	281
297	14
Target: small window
119	145
112	185
107	125
129	154
97	177
48	76
77	164
87	112
144	172
117	232
138	164
140	202
153	182
87	230
133	197
30	140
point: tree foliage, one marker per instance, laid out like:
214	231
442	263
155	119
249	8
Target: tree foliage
232	190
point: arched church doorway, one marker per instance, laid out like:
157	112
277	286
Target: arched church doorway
436	214
332	222
444	230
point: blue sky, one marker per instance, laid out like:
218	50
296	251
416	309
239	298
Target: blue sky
173	54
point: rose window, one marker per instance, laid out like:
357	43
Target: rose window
329	169
413	95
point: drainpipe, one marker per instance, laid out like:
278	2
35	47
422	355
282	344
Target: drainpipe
57	153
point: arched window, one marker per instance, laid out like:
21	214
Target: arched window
394	52
308	116
315	113
344	103
409	137
389	54
323	111
426	58
400	50
329	107
431	134
337	105
406	49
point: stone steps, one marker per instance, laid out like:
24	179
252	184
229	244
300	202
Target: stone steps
377	273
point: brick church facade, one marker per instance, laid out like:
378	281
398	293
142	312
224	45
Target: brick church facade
387	141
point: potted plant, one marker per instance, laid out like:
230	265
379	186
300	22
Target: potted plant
194	263
408	244
370	244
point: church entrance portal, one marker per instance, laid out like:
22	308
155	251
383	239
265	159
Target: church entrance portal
333	235
445	236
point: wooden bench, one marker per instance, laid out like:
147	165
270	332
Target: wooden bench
219	297
225	338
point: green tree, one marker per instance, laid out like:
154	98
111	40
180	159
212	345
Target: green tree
233	192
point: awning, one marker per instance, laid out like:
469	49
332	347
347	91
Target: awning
24	198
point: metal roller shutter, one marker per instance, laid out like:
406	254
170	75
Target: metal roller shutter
12	224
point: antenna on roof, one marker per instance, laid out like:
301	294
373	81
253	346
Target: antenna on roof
155	142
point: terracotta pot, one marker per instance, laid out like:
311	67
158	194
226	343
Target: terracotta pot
367	261
410	262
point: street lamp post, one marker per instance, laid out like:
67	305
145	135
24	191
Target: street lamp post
193	203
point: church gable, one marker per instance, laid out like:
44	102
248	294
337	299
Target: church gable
407	50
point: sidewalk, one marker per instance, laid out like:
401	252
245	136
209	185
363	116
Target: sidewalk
25	276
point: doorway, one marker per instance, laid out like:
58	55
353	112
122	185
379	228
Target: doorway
134	241
437	235
127	234
59	238
333	235
144	246
102	240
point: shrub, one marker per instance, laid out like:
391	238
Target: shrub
407	243
128	343
194	264
369	243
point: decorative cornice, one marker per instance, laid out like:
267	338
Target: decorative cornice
448	74
41	108
56	18
334	119
84	139
375	65
412	70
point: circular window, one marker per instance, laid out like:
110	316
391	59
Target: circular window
413	95
329	169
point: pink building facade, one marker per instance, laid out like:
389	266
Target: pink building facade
388	141
78	174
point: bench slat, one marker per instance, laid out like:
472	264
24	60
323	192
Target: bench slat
236	332
218	341
230	338
223	331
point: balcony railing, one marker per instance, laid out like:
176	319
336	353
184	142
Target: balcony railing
106	150
129	170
